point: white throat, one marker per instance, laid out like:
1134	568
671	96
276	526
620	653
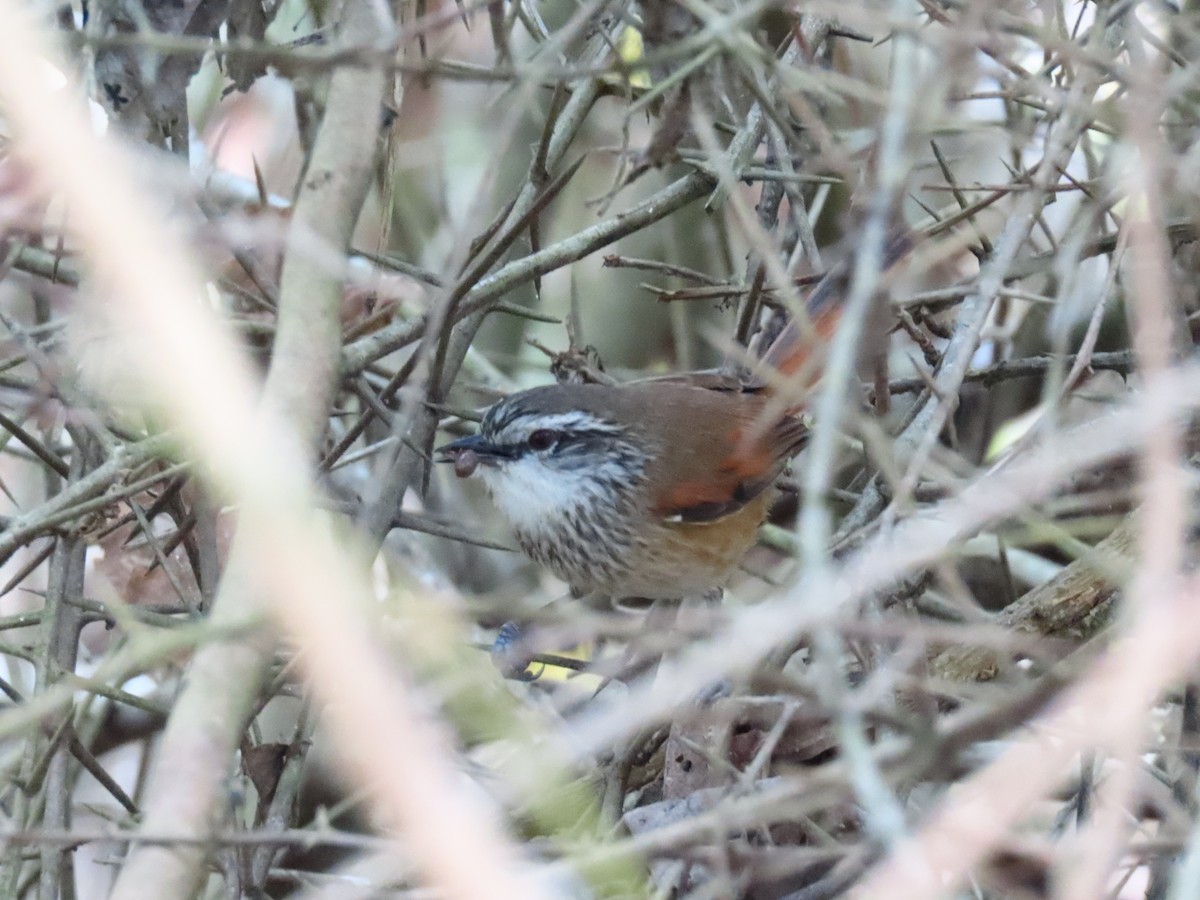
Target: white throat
534	497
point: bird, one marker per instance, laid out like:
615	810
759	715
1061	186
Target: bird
655	488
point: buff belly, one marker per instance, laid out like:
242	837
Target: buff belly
686	559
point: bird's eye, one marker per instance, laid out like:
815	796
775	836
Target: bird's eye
542	439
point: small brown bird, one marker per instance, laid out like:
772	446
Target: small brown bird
655	488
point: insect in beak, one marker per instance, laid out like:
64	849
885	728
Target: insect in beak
469	453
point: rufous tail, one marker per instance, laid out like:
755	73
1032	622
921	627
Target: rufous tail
798	350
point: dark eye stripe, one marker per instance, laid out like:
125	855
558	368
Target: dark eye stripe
563	442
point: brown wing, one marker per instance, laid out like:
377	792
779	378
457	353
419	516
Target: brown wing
717	457
738	481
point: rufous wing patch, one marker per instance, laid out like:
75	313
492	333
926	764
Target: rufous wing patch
748	470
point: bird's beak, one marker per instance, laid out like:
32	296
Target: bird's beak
450	452
468	452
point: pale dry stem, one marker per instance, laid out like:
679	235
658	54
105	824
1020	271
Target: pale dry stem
256	458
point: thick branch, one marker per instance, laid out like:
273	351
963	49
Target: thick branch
184	795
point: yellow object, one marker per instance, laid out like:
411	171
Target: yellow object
631	49
1012	431
540	671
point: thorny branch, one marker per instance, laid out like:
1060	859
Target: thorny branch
939	659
